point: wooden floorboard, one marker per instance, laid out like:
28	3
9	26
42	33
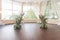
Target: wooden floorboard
30	31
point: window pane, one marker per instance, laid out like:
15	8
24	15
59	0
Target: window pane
31	11
51	10
16	8
6	9
6	14
6	4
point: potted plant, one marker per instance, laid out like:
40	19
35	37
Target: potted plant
18	19
43	21
18	22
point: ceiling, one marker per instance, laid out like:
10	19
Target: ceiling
35	0
28	0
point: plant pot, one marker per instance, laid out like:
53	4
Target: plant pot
43	26
17	27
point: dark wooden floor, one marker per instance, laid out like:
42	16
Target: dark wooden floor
30	31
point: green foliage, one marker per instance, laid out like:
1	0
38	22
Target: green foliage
30	15
14	16
43	22
18	20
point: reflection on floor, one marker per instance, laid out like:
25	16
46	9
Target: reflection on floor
30	31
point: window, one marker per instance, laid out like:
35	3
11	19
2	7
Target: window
16	8
31	11
6	9
9	8
51	10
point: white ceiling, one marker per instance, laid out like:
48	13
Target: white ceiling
35	0
29	0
